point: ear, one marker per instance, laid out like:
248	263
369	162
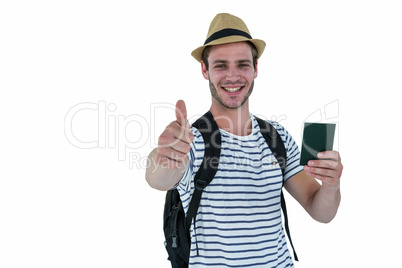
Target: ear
204	70
256	69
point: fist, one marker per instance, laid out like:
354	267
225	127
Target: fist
328	169
174	142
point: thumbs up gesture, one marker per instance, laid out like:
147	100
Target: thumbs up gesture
174	142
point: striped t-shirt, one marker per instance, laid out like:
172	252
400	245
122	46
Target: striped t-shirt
239	220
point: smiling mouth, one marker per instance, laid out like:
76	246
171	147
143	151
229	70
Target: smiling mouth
232	89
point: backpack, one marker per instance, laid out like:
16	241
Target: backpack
176	224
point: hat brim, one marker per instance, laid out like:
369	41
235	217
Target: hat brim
259	44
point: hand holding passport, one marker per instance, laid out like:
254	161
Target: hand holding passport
317	137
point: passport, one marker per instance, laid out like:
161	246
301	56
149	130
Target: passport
317	137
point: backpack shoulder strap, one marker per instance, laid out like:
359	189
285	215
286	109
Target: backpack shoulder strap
274	142
209	130
277	147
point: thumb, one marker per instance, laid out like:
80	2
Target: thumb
181	113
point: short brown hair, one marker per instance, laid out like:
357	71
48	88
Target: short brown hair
254	53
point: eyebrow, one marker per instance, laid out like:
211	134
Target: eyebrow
225	61
220	61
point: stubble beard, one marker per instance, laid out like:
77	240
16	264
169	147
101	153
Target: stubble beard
215	95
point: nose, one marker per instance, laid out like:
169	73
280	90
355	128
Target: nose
232	74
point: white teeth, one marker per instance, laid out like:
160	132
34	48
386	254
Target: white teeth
232	89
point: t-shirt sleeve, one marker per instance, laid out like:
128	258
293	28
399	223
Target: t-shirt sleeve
185	182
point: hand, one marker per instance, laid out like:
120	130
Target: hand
328	168
174	142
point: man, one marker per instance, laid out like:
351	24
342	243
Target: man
239	218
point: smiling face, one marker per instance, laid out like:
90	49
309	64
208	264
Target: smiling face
231	74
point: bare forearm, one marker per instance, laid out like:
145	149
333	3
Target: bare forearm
162	177
326	200
325	204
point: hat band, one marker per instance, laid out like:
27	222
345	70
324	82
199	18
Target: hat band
225	33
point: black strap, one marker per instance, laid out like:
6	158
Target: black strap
277	147
209	166
274	142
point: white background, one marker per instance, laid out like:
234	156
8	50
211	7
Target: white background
65	206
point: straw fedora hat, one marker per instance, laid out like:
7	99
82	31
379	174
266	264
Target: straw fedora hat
226	28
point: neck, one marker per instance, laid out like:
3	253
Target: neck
235	121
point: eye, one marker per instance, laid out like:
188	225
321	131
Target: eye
220	66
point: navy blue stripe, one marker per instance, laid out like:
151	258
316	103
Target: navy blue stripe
223	230
239	207
235	251
235	266
211	199
241	151
264	171
218	236
242	192
242	185
239	214
279	239
238	142
230	156
200	240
